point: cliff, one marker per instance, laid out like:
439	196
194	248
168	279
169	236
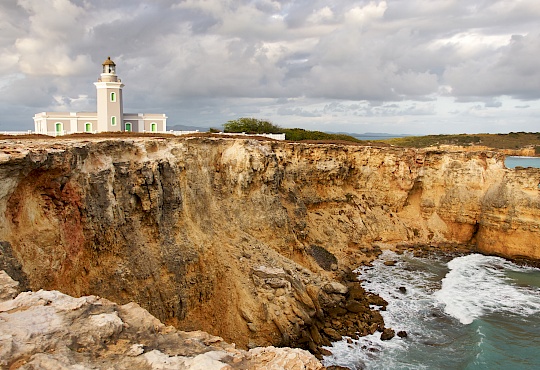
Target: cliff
244	238
48	330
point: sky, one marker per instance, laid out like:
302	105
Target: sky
396	66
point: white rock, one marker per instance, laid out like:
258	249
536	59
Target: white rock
50	330
9	288
335	288
97	329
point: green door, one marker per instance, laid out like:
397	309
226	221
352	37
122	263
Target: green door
58	128
88	127
154	127
128	126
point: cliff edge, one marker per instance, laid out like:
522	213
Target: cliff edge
246	239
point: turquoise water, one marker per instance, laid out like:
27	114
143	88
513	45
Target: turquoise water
513	162
470	312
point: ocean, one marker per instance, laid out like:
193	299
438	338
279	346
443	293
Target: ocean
466	312
513	162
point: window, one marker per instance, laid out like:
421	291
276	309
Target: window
128	126
113	121
113	97
153	127
88	127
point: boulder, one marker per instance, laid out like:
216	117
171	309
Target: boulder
356	292
335	288
9	288
387	334
51	330
402	334
332	334
354	306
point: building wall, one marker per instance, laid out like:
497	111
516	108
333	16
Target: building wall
100	121
71	122
106	107
142	122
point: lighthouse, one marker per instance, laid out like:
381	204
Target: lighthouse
110	111
110	114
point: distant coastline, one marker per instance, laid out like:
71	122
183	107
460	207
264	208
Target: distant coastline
369	136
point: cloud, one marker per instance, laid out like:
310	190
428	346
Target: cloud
298	61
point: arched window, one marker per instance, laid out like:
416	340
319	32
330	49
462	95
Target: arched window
128	126
153	127
113	121
88	127
113	97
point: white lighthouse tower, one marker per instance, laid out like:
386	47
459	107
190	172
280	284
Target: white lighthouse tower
110	111
110	114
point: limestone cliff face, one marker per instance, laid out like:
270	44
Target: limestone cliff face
238	237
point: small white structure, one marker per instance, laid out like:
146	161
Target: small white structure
110	114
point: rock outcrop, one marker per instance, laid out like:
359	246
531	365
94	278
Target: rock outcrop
51	330
249	240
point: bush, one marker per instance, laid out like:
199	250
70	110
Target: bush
258	126
252	126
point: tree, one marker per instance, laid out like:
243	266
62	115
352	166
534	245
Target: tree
252	126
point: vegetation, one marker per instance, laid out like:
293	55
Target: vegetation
252	126
298	134
513	140
433	140
257	126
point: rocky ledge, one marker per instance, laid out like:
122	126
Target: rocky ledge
51	330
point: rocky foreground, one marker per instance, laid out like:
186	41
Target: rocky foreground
50	330
253	241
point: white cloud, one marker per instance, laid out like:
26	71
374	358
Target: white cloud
396	65
361	15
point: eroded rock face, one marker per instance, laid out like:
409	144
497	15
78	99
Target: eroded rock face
51	330
240	237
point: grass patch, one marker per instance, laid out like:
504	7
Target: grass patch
512	140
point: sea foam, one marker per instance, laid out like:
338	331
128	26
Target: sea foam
430	300
477	285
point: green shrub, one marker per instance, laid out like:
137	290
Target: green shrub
259	126
252	126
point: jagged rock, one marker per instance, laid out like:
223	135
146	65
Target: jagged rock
9	288
333	334
356	292
325	352
323	257
387	334
402	334
266	272
402	289
276	283
335	288
355	306
336	311
50	330
376	300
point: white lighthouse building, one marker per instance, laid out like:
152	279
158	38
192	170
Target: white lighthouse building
110	114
